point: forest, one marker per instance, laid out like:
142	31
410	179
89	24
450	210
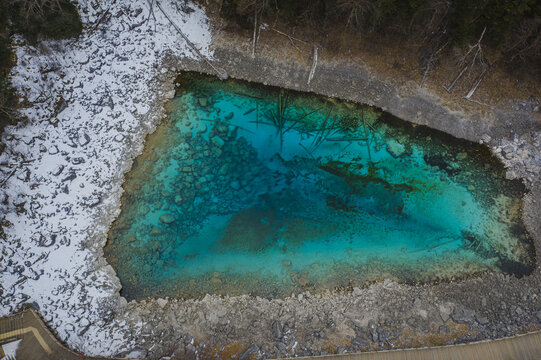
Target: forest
34	20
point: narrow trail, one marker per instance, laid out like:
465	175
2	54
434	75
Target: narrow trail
520	347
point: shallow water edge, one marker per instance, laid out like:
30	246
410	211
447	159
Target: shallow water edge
473	155
378	301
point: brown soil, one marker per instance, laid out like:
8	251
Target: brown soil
394	60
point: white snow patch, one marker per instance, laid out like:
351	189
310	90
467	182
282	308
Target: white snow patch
10	350
90	99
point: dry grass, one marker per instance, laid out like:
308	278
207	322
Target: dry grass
391	59
410	339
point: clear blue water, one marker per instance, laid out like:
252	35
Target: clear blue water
252	190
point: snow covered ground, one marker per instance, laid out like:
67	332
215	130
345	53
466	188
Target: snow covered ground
91	104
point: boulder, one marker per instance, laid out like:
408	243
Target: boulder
483	320
360	343
253	349
167	219
218	141
277	330
508	151
395	148
463	315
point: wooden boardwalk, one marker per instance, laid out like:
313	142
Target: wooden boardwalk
39	343
520	347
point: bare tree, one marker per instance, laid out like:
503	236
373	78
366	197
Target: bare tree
357	12
472	60
525	41
255	7
31	9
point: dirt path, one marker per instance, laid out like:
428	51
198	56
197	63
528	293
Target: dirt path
521	347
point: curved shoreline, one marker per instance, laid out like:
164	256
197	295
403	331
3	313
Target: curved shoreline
452	312
383	315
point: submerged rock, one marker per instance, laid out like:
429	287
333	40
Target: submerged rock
395	148
167	219
203	101
218	141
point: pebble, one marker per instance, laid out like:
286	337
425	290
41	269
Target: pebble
235	185
84	140
483	320
485	138
508	151
53	150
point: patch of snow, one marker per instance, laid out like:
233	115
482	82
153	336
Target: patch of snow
10	350
91	100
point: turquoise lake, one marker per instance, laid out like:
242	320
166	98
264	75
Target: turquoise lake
246	189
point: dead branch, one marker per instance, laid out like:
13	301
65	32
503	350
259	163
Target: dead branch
478	58
456	79
314	65
472	91
151	12
291	38
478	47
430	62
9	176
254	36
480	103
357	12
261	26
